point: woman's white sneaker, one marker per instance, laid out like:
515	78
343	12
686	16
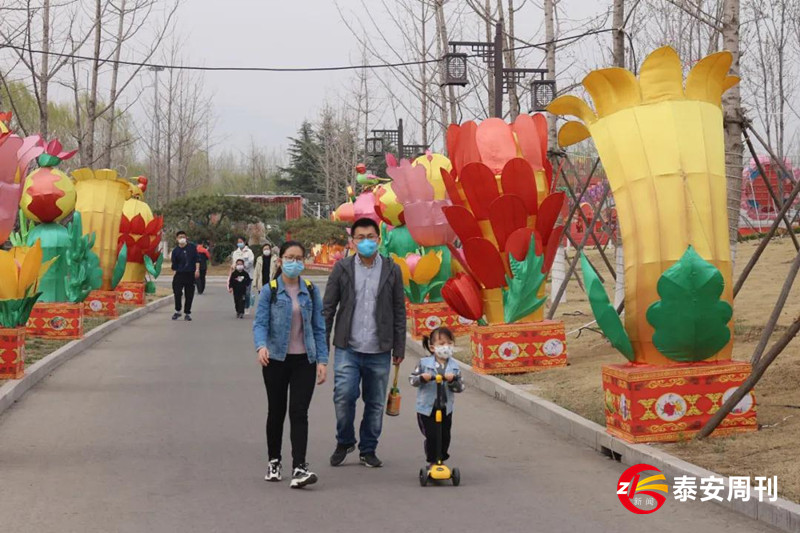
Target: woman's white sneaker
274	471
302	476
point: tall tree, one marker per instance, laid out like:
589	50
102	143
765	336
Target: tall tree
303	173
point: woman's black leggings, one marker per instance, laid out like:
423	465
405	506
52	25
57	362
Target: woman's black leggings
293	378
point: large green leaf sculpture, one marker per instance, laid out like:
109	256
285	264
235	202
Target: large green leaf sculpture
119	268
154	269
15	313
690	321
82	264
605	314
519	299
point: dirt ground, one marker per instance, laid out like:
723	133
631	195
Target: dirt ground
770	451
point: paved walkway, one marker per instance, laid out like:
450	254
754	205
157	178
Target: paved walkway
159	428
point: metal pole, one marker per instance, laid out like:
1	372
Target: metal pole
400	143
497	110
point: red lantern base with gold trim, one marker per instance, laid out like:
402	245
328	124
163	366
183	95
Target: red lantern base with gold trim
12	353
645	403
101	303
56	320
518	348
130	293
427	317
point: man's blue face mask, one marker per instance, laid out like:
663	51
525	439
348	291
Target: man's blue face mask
367	247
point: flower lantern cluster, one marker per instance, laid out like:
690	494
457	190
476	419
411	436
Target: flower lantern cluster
505	217
140	233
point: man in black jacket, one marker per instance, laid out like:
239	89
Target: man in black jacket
186	264
365	295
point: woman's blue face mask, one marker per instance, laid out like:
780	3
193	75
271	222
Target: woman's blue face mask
292	268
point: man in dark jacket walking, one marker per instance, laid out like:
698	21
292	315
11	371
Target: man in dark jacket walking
365	295
186	264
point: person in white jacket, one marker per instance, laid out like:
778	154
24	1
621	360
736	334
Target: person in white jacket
244	253
266	265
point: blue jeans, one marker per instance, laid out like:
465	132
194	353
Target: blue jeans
371	371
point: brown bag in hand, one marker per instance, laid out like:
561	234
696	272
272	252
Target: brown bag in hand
393	402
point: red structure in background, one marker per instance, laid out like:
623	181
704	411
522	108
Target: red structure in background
758	209
582	165
293	203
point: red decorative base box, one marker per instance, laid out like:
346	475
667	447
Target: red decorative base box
56	320
665	404
130	293
12	353
101	303
517	348
427	317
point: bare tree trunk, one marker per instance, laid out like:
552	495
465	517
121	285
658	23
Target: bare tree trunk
509	56
619	33
44	77
489	39
168	177
106	159
424	81
732	102
91	112
619	61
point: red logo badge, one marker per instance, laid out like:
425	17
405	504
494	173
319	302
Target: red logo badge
642	489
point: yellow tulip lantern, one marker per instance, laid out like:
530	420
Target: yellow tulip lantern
661	143
21	269
101	200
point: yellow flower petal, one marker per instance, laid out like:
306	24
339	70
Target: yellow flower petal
29	273
612	90
403	268
8	276
427	268
571	133
661	77
572	106
707	80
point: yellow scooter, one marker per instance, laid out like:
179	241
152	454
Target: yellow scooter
438	471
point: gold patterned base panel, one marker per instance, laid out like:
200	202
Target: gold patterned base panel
518	348
429	316
56	320
670	403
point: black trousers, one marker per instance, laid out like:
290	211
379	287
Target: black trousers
201	282
293	378
429	429
183	284
239	298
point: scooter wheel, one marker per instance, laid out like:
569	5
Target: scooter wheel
456	477
423	477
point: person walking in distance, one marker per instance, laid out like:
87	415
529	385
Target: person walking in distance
365	296
266	266
244	253
289	335
237	285
205	256
186	264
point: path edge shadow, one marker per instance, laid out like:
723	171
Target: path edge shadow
13	390
782	514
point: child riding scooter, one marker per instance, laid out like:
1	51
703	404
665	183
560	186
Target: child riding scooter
438	378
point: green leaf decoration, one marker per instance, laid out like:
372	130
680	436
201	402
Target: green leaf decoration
149	266
520	300
690	321
605	314
159	263
20	238
15	313
119	268
83	265
434	291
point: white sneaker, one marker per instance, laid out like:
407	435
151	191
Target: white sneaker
246	312
274	471
301	476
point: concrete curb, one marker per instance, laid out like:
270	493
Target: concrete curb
782	514
13	390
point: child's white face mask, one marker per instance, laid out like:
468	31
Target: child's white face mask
443	351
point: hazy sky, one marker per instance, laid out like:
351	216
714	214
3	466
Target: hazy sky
271	106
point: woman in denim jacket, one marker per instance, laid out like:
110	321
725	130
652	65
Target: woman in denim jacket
289	334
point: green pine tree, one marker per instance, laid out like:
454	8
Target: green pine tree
303	173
